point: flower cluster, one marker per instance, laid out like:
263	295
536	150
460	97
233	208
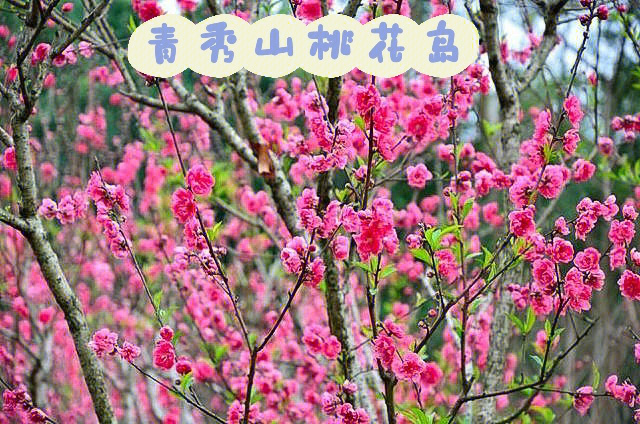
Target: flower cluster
105	343
111	203
71	207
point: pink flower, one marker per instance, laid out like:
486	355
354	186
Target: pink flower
521	222
291	261
85	49
46	315
588	259
447	264
630	285
367	98
542	125
544	274
574	112
621	233
203	371
309	10
149	10
183	205
431	375
351	416
629	212
603	12
376	229
384	350
340	248
577	293
40	53
561	250
200	180
166	333
9	159
315	274
164	355
104	342
183	365
9	402
331	348
313	339
330	403
67	7
583	170
570	141
583	399
624	392
553	180
418	175
48	208
129	352
636	352
605	146
561	226
409	367
617	257
188	5
36	416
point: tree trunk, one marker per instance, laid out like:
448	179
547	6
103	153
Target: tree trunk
64	295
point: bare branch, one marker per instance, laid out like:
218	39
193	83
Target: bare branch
549	40
13	220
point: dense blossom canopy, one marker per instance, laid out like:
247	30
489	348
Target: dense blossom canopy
307	250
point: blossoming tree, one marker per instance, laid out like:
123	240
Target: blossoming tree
310	250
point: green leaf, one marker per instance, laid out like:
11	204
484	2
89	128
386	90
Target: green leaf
547	328
428	235
417	416
517	322
468	205
454	201
215	231
185	382
491	128
457	326
530	321
163	314
373	264
596	376
421	254
454	228
132	24
157	298
218	352
387	271
252	338
487	257
537	360
176	337
546	414
362	265
360	123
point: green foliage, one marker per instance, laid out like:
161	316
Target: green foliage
416	415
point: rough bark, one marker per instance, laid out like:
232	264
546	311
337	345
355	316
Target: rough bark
499	343
337	313
64	295
508	88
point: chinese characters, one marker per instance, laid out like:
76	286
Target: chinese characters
165	43
443	48
218	35
331	46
